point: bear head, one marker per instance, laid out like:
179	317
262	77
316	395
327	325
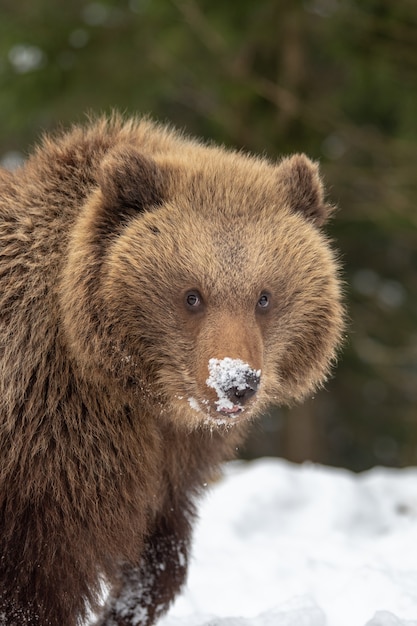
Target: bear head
199	283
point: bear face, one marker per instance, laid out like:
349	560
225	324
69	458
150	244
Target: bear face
201	279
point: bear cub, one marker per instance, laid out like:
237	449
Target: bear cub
156	294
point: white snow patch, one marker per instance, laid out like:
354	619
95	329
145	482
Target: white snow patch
194	404
182	561
225	374
287	545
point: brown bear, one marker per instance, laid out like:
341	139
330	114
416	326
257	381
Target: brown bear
156	294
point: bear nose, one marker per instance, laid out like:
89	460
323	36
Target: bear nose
245	390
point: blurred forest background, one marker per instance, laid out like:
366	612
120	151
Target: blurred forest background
334	78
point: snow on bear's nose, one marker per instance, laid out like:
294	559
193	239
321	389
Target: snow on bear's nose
244	391
234	382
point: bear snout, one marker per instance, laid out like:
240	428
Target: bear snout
234	382
246	389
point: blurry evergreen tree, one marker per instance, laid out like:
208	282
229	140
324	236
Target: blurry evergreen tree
334	78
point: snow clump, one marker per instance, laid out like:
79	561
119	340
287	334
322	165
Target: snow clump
228	373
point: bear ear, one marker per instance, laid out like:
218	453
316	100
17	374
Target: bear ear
130	181
302	189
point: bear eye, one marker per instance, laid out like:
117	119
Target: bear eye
264	301
193	300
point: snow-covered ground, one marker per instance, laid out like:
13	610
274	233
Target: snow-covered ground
287	545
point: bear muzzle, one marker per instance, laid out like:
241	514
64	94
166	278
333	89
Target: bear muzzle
235	383
244	391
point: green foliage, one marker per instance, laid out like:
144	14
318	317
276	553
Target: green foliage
333	78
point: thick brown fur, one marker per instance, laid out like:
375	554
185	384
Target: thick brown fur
108	427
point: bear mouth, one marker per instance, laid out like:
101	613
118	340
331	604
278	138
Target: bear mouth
230	411
225	413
